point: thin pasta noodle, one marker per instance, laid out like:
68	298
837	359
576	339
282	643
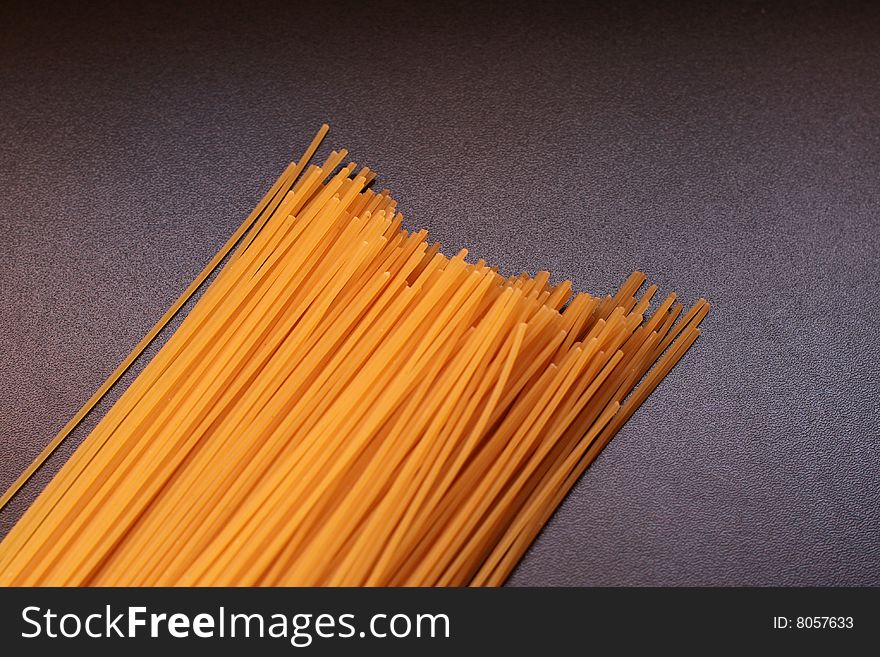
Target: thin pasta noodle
346	405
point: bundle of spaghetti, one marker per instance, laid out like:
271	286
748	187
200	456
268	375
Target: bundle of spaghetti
346	405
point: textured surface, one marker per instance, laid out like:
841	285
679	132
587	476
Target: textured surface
732	153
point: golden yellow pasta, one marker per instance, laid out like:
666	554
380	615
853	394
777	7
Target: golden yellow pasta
346	405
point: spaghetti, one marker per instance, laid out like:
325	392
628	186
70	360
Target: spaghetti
346	405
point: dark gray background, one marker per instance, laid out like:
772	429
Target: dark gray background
728	152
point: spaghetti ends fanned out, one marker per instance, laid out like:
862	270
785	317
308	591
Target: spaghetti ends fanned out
346	405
